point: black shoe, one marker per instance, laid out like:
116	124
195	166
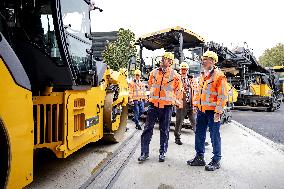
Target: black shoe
213	165
178	142
196	161
138	127
143	157
162	157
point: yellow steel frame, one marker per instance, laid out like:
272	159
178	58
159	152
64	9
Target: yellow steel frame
261	89
232	93
59	123
265	90
77	107
17	117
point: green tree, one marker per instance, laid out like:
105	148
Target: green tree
273	57
118	53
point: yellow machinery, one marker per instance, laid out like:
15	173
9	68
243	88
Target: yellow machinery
187	46
232	94
261	89
175	39
280	71
257	86
53	93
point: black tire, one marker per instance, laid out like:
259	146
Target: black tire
118	135
4	156
271	109
229	120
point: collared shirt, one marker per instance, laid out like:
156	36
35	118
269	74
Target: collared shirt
206	73
187	89
163	69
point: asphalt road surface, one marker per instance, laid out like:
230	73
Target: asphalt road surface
268	124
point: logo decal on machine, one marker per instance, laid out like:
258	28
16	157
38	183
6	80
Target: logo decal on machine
92	121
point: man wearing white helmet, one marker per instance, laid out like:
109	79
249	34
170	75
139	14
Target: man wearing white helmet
209	100
186	109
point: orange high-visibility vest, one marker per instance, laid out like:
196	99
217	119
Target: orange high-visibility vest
212	93
194	82
165	87
137	91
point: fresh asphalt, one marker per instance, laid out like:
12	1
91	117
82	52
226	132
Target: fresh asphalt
267	124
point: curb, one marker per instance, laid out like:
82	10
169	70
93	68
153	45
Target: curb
265	140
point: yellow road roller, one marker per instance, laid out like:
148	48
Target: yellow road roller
53	92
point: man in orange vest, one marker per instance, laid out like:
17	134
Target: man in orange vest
186	110
137	95
165	92
209	101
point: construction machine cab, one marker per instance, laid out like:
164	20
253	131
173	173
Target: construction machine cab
52	40
173	40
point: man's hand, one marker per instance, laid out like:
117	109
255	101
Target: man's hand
217	117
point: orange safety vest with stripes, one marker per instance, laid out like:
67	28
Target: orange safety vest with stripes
165	87
194	85
137	90
212	93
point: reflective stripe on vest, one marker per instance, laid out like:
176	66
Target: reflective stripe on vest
138	91
223	97
167	88
219	108
208	103
207	93
206	96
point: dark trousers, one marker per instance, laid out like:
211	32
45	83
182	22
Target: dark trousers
138	111
180	116
164	117
205	120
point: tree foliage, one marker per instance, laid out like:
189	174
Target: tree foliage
273	57
118	53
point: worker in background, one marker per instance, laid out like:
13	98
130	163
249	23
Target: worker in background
137	96
209	100
186	110
165	92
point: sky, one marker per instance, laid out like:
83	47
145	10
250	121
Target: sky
258	23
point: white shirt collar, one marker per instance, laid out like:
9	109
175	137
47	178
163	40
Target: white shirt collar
206	73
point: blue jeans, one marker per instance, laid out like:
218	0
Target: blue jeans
205	120
164	117
138	111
